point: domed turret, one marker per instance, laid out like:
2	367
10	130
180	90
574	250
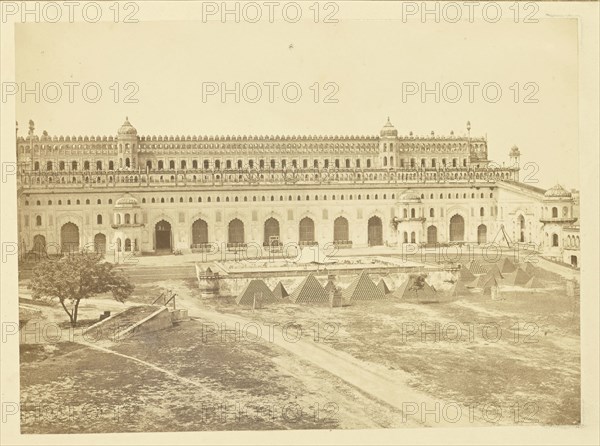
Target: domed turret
389	130
558	192
127	128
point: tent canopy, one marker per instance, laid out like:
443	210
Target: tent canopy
258	291
363	288
309	291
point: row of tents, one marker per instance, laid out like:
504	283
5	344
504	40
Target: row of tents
310	290
477	274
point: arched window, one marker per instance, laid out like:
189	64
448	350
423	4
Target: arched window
99	219
38	220
555	215
431	212
554	239
111	165
412	213
481	212
171	164
306	230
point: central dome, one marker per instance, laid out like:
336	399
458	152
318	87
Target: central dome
127	128
389	130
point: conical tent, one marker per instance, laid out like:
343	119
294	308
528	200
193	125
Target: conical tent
518	278
477	267
494	271
383	287
530	268
507	266
330	286
464	275
280	292
408	290
460	289
256	292
534	282
490	283
362	288
309	291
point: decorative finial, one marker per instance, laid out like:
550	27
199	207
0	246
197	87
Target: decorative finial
469	125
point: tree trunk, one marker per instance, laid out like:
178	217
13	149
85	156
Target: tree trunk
68	313
75	312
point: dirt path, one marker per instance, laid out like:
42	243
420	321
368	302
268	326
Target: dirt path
373	380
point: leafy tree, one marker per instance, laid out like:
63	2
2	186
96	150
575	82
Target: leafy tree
76	277
418	283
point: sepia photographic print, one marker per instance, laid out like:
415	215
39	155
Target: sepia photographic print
299	222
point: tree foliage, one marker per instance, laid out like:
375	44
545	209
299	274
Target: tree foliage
418	283
76	277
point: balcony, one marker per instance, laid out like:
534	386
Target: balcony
127	225
558	220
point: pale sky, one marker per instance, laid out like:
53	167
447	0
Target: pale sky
368	59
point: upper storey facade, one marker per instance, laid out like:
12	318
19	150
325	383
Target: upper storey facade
107	159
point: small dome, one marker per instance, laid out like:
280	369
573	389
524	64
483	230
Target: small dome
557	192
126	201
127	128
389	130
410	195
515	151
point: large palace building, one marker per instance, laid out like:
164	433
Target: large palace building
149	194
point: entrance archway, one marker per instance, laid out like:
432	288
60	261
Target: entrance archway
375	231
100	243
39	244
482	234
431	235
341	230
162	233
69	237
199	233
457	228
271	232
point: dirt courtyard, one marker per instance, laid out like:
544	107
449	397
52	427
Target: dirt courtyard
465	360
